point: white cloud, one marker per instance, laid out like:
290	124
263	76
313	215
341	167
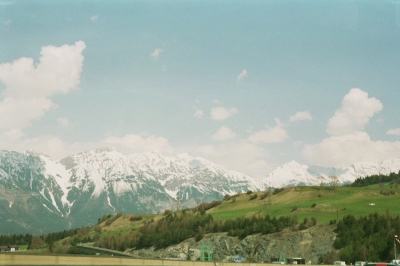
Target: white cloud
58	71
137	143
198	114
28	86
157	52
344	150
395	131
14	134
270	135
349	143
304	115
7	22
47	144
242	75
354	114
19	113
240	155
94	18
223	133
221	113
63	121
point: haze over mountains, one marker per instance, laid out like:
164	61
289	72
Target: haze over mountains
38	195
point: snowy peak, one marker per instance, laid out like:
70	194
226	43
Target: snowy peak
289	174
385	167
295	174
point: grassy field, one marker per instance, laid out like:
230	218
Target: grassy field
323	203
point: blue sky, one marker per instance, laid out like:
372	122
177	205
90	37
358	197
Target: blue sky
249	85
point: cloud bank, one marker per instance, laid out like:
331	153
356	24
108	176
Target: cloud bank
222	113
29	86
349	143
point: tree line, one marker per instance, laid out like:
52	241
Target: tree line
173	228
393	179
367	238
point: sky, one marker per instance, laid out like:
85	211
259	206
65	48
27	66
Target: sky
248	85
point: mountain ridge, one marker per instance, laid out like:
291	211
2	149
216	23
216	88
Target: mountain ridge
80	188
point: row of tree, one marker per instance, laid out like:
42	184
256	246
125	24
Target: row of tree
367	238
173	228
393	179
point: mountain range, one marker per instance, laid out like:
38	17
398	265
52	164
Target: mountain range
39	195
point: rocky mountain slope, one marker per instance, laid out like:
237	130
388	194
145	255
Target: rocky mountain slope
308	244
39	195
295	174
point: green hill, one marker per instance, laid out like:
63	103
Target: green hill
244	214
323	203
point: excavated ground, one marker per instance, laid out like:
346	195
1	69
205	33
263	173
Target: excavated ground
308	244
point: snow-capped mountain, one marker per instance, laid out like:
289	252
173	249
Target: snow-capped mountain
40	195
79	189
295	174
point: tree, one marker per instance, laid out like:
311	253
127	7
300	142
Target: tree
37	242
333	181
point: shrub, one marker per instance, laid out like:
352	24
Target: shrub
278	190
253	197
207	206
313	205
249	192
264	195
135	218
294	208
199	237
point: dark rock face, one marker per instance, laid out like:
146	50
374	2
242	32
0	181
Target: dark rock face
308	244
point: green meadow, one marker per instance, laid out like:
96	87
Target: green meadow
323	203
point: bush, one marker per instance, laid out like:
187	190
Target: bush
278	190
313	205
199	237
294	208
264	195
206	206
135	218
253	197
249	192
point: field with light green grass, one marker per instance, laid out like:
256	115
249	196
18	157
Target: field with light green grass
323	203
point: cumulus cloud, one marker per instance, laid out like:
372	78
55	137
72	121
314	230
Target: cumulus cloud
14	134
354	114
344	150
29	86
157	52
395	132
304	115
223	133
19	113
137	143
63	121
242	75
94	18
51	145
198	114
222	113
270	134
348	142
239	155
